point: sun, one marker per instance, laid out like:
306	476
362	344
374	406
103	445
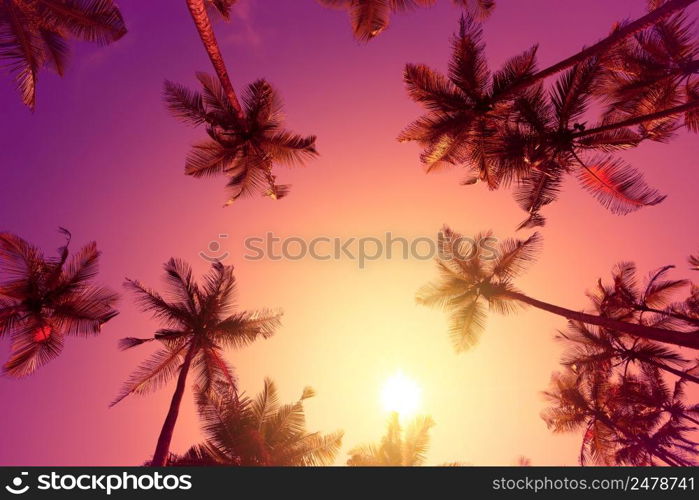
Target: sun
400	394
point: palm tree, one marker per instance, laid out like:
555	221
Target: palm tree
35	34
597	349
258	432
505	129
198	323
44	299
549	140
634	421
651	303
465	108
246	141
369	18
654	70
471	281
398	448
245	148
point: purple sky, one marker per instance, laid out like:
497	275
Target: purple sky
102	157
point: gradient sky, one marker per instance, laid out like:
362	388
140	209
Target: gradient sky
102	157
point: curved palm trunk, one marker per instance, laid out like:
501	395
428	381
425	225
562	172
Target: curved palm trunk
197	9
605	44
162	449
637	120
683	339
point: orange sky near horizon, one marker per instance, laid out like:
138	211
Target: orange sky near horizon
105	159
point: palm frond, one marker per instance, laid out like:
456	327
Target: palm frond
221	7
153	373
209	158
33	346
185	104
617	186
468	67
515	71
20	50
537	190
514	256
291	149
433	90
266	403
466	324
480	9
130	342
573	91
151	301
417	441
91	20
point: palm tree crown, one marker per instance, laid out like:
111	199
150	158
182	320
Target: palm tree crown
477	274
473	279
465	108
34	35
635	420
244	148
653	70
506	129
198	323
370	18
398	447
258	432
43	300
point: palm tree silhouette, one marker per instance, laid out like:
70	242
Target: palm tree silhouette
43	300
370	18
198	323
258	432
549	140
472	281
35	34
246	141
466	107
594	349
633	421
654	70
245	148
398	447
506	129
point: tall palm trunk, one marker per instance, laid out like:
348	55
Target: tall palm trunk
637	120
197	9
162	449
605	44
684	339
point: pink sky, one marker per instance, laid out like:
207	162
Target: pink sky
102	157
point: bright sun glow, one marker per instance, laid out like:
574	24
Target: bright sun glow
400	394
